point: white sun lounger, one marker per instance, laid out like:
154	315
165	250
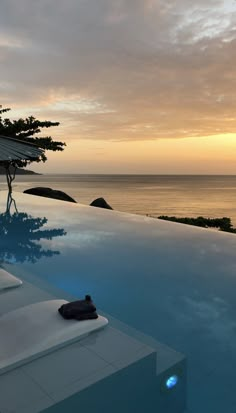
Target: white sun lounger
37	329
8	280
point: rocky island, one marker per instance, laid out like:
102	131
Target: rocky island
19	171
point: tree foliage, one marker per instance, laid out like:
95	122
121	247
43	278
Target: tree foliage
223	224
26	129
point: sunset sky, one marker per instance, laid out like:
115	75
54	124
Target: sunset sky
138	86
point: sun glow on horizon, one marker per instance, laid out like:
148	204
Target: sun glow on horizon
208	155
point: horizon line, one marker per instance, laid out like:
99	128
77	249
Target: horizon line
134	174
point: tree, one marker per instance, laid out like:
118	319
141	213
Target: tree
25	129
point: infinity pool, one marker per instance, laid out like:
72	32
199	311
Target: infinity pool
171	281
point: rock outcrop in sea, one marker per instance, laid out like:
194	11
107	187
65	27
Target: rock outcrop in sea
100	203
49	193
56	194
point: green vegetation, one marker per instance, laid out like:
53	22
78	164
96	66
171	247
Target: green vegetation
223	224
25	129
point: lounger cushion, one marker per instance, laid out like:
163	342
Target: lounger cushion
8	280
37	329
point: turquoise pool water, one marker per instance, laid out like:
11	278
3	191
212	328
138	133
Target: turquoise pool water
173	282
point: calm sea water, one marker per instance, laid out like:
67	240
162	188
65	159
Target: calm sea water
179	195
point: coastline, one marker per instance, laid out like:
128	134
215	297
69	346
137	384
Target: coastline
180	196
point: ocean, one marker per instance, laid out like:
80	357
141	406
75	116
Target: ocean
180	195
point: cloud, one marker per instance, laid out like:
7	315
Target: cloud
122	70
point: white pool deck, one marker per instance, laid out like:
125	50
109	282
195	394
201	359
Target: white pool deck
8	281
52	378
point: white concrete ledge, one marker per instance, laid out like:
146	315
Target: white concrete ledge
8	280
37	329
89	369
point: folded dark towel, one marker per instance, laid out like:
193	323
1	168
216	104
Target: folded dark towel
88	316
77	308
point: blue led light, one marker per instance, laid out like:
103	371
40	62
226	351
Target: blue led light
171	381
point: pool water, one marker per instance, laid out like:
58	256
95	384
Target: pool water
171	281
